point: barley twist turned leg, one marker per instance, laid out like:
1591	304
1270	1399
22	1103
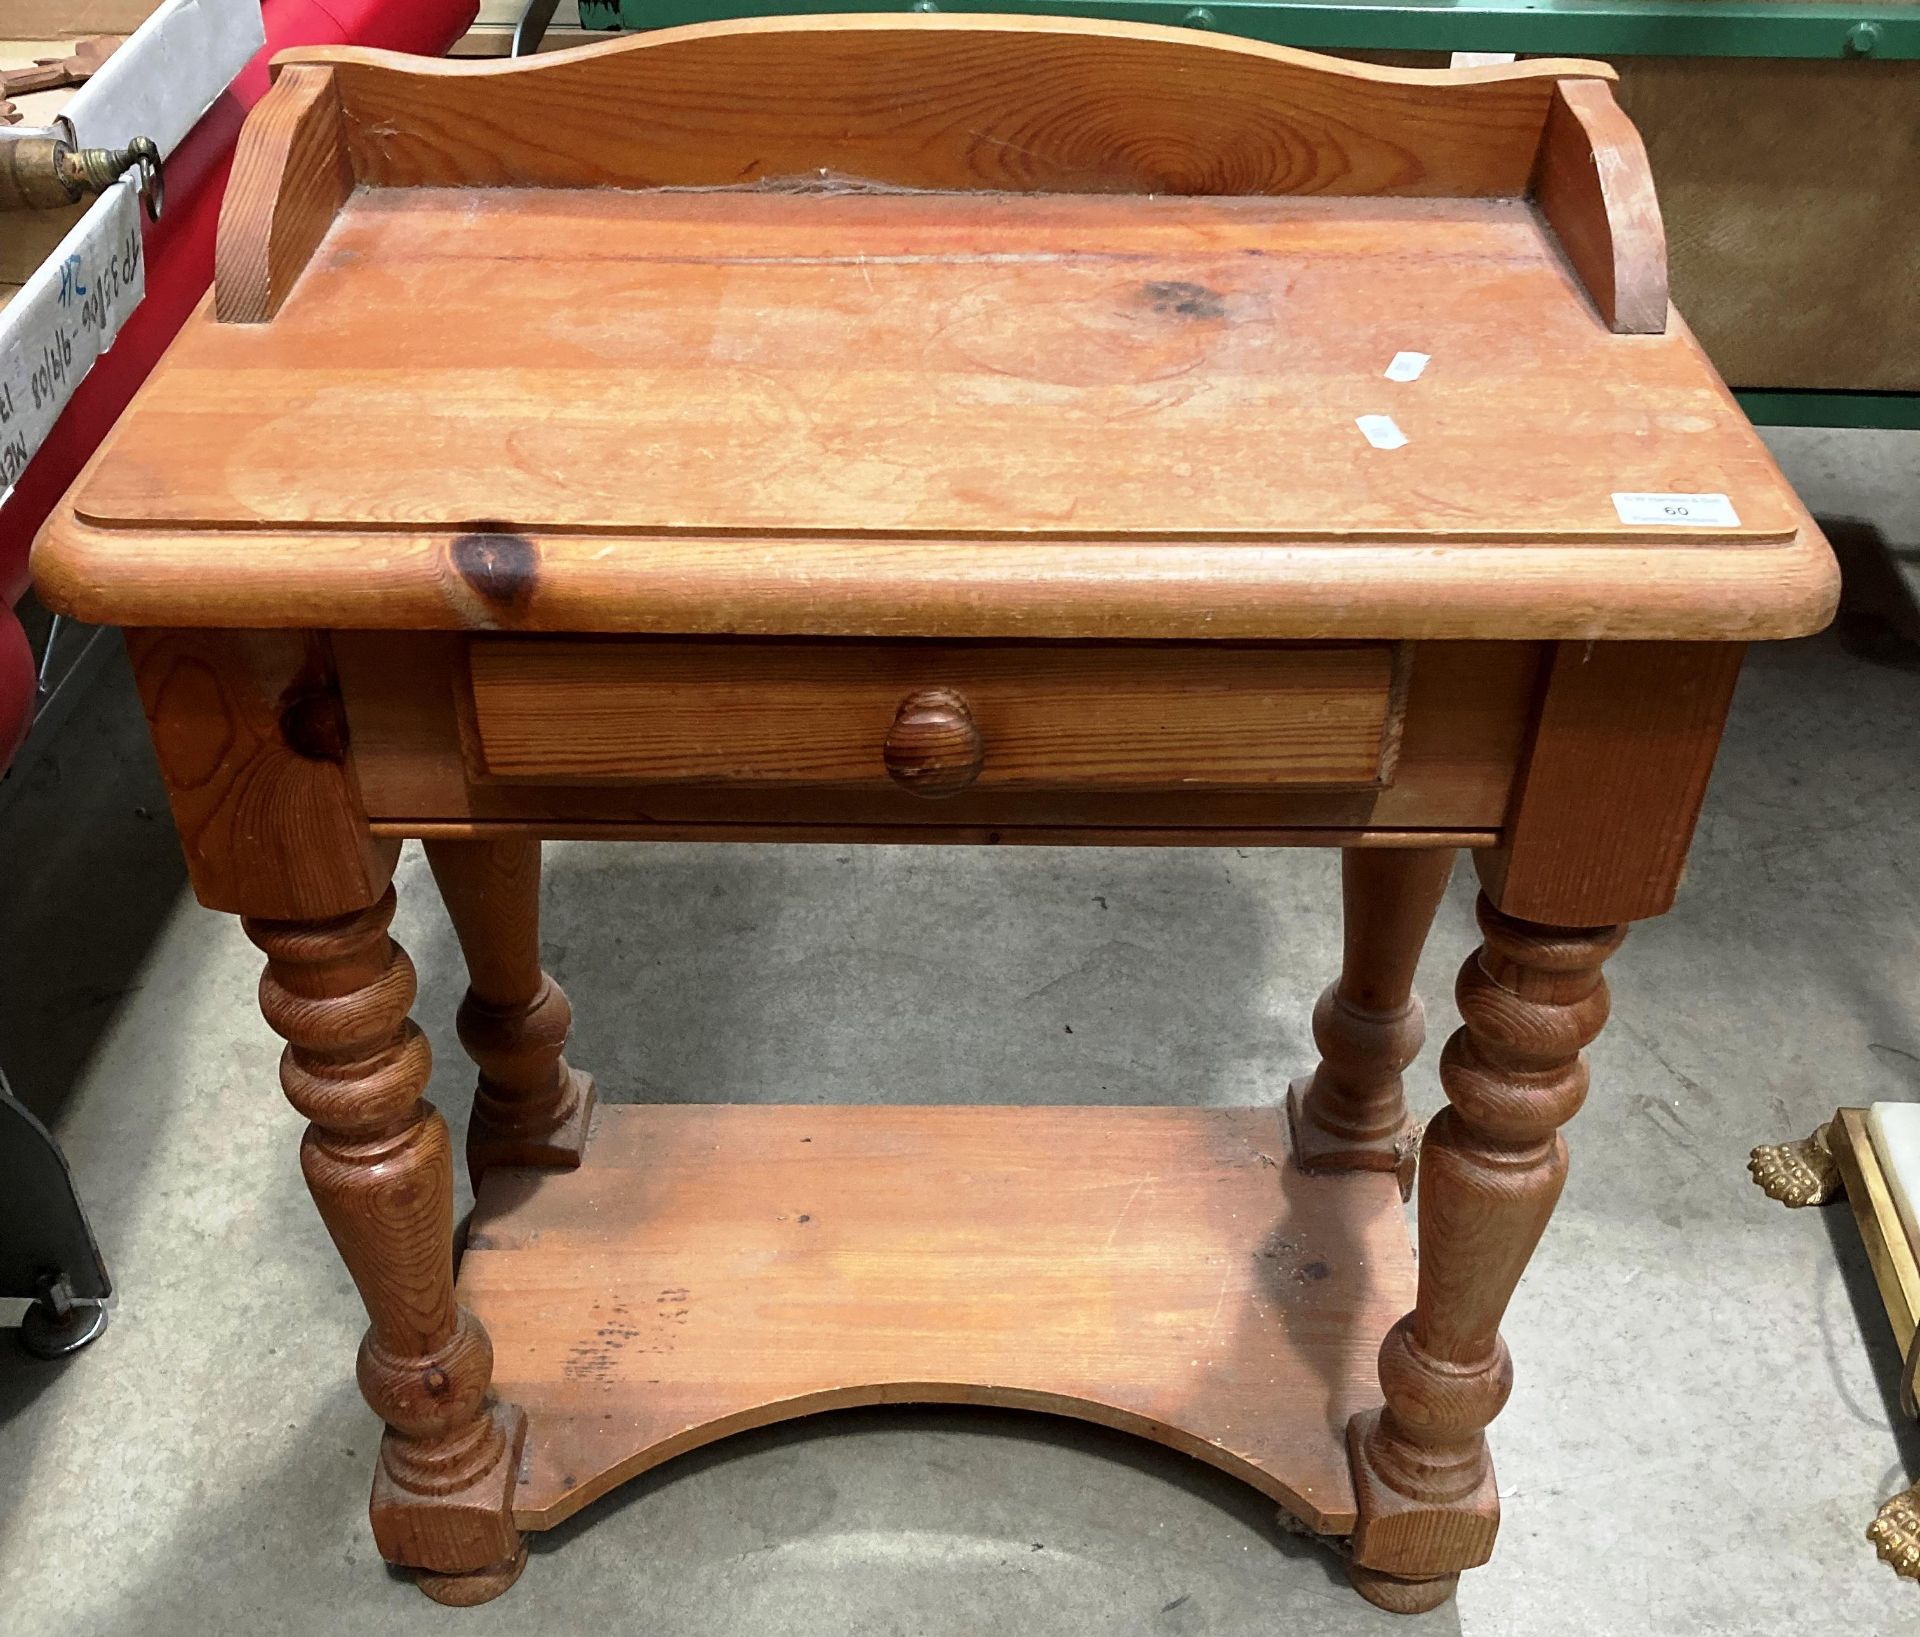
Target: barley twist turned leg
380	1167
1491	1169
1351	1113
529	1108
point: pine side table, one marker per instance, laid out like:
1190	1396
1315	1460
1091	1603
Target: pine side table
949	430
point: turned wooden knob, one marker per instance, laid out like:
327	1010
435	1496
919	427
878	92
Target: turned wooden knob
934	746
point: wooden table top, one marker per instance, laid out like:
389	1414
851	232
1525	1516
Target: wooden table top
862	412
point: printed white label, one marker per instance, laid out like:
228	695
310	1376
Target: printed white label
1678	511
1406	366
1380	431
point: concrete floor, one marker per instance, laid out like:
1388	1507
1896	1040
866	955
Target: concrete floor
1702	1425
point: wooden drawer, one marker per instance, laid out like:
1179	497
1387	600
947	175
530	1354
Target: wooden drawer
936	718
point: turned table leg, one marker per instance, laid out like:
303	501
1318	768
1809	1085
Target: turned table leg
1491	1169
529	1108
1351	1114
380	1166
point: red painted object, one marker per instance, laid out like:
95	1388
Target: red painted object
179	250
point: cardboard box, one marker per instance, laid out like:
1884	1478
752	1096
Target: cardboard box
72	19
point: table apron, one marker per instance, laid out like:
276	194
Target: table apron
1143	743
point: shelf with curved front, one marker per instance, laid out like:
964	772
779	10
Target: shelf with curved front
1163	1271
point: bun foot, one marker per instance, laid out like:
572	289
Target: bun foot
1397	1596
465	1591
1797	1173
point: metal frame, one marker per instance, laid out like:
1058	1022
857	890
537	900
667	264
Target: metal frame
1559	28
48	1254
1882	411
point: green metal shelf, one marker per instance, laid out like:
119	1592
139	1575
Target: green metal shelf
1885	411
1559	28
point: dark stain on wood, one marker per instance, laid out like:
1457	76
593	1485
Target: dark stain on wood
313	721
596	1357
313	716
1181	298
500	566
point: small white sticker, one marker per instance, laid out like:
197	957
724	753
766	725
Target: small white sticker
1677	511
1406	366
1479	59
1380	431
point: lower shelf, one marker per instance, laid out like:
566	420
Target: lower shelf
1164	1271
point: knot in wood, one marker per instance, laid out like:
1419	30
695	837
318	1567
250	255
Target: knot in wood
501	567
313	723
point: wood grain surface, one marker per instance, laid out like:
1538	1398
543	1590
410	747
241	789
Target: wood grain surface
252	737
380	1167
1104	392
1468	707
1593	186
933	415
1605	807
847	834
744	363
1492	1165
933	746
530	1107
1048	716
291	175
1351	1114
1164	1271
1045	104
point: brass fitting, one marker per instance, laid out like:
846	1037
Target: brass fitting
45	170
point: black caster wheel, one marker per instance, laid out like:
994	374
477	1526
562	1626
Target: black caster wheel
46	1334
